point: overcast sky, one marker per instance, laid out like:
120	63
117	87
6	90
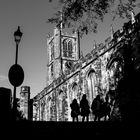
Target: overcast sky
32	15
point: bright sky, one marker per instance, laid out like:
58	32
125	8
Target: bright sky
32	15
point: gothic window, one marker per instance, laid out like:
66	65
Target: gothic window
70	48
65	48
91	79
74	90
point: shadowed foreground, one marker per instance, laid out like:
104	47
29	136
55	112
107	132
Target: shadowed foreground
71	129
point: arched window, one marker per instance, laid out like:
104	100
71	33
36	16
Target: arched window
74	90
65	48
91	79
70	48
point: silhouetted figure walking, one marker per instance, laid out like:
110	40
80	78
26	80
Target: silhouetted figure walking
106	107
75	110
84	105
96	108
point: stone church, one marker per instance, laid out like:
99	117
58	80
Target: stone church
70	74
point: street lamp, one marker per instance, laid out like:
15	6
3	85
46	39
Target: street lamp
16	73
17	36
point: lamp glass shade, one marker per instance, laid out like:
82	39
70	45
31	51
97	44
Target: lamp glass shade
18	35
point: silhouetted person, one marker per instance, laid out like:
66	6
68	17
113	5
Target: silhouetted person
96	107
85	109
75	110
106	107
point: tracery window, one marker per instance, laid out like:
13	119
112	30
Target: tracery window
67	48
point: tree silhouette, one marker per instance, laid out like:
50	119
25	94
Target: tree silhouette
18	112
83	15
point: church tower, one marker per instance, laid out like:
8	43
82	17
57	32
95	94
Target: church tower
63	51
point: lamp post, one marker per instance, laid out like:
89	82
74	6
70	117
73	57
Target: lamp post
17	36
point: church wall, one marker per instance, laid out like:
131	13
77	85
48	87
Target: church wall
74	87
89	75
